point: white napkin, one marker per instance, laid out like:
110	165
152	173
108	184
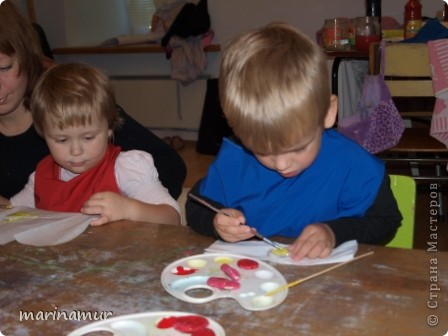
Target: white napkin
260	250
40	228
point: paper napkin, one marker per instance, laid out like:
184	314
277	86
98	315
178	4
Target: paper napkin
40	228
260	250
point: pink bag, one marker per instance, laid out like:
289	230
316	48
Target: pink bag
377	125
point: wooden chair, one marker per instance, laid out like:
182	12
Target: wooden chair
408	76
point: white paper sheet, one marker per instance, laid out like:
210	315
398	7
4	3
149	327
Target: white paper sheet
40	228
260	250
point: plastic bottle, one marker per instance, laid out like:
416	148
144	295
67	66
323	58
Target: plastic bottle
412	18
445	12
373	8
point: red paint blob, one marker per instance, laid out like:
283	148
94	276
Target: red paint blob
179	270
190	323
193	325
166	322
204	332
247	264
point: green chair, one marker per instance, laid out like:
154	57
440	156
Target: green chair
404	190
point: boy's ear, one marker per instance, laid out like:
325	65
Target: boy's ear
330	118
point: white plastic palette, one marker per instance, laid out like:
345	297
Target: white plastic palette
200	278
154	324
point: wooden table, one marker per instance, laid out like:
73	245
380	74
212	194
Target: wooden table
116	268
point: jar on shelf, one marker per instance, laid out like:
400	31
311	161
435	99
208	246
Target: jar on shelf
367	31
351	33
335	34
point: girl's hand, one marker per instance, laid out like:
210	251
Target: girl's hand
231	228
315	241
109	205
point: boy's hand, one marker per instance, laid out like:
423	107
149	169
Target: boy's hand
315	241
108	204
232	229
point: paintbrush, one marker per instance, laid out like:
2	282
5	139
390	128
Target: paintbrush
295	283
256	234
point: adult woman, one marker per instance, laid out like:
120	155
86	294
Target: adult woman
21	148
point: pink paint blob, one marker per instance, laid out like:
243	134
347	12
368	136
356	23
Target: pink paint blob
222	283
230	272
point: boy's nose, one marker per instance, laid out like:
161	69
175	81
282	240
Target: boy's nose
281	164
75	148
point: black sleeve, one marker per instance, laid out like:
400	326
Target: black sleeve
170	166
200	218
379	224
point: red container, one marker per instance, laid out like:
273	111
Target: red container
362	43
412	18
367	30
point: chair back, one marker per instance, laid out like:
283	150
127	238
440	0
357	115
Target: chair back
404	190
407	73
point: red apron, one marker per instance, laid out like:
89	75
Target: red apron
69	196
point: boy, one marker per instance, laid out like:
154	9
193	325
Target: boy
291	175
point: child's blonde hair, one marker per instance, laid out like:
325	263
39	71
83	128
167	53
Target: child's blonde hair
73	94
274	87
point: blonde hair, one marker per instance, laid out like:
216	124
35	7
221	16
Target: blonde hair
274	87
19	38
73	94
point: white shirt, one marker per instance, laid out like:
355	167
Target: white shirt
136	177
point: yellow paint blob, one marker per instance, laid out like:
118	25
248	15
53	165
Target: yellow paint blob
280	252
223	260
197	263
262	301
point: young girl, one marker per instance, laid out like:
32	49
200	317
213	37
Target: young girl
21	65
74	110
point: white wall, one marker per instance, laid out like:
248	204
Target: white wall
84	22
90	22
80	22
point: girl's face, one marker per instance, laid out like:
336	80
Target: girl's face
12	85
78	148
292	161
